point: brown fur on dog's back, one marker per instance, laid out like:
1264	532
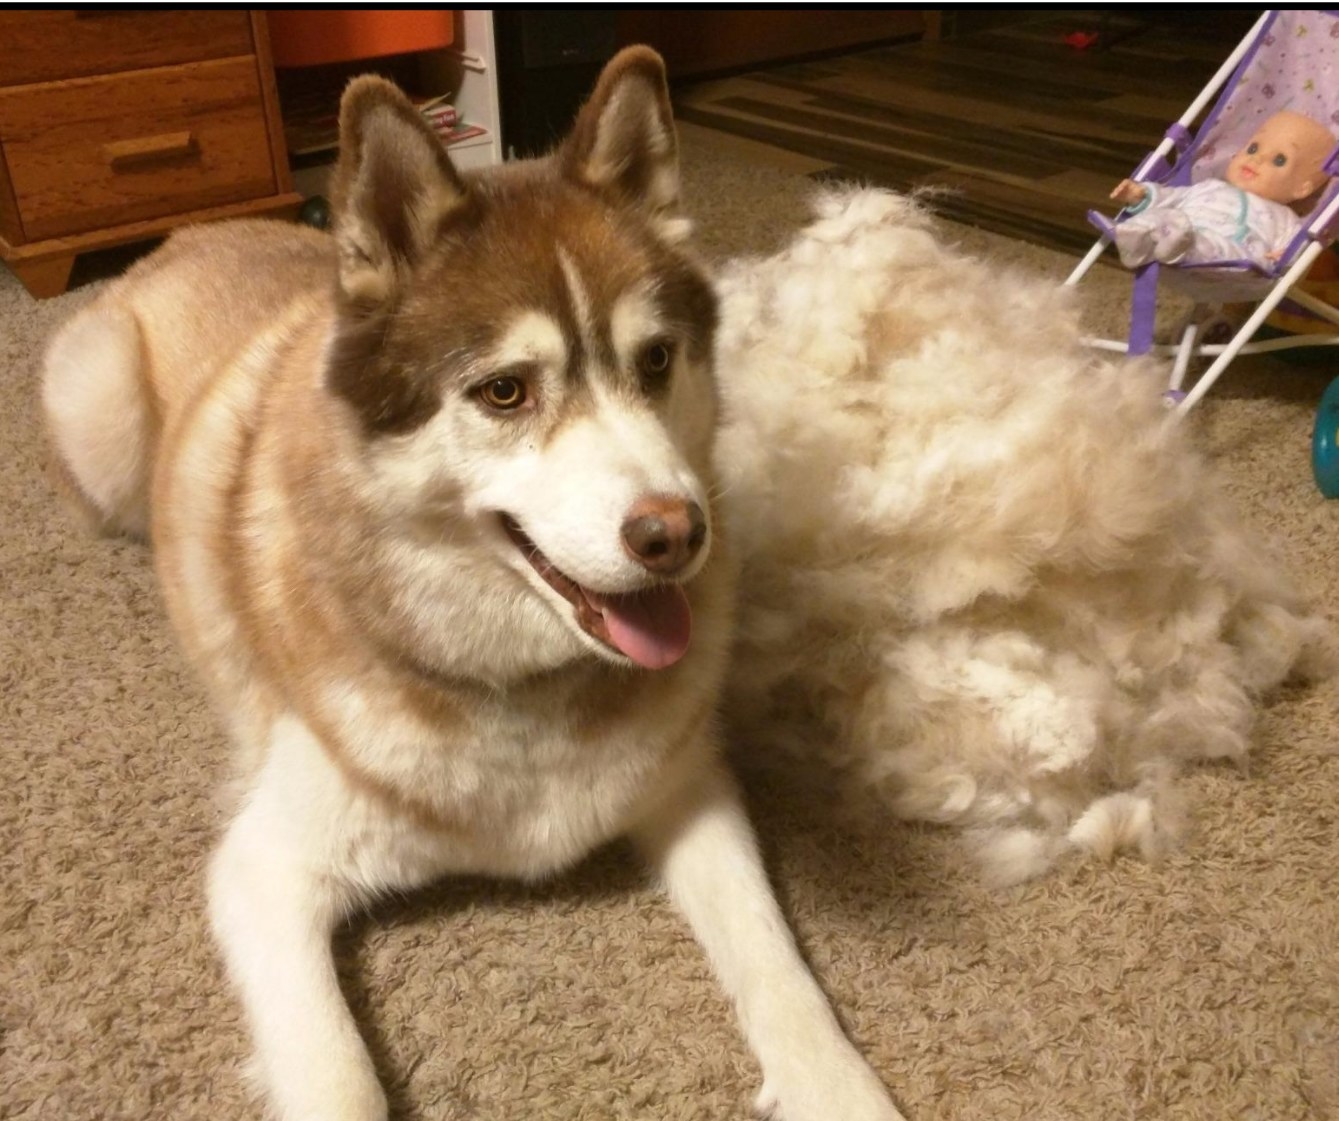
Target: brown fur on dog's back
149	341
210	290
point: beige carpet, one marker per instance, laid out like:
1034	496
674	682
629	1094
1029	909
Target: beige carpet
1206	988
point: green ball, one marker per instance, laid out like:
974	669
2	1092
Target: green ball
315	212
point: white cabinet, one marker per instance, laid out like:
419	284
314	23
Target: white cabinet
469	67
466	72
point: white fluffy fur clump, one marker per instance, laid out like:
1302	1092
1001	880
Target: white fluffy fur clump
984	557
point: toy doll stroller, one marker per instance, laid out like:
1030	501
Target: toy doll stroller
1289	60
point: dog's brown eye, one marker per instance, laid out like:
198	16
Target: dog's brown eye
503	393
654	364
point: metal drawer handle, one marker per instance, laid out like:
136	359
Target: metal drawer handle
122	152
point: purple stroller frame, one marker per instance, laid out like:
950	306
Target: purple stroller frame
1259	81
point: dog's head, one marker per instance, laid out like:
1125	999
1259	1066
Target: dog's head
527	355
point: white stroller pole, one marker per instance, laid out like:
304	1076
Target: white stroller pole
1088	262
1261	77
1299	268
1207	94
1282	287
1184	353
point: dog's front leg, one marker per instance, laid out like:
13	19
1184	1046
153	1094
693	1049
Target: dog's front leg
274	910
701	842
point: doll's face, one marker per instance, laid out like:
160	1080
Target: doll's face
1282	161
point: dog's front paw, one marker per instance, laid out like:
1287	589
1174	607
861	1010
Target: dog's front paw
765	1105
344	1091
365	1103
858	1098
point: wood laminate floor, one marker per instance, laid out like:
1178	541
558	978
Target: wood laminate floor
1025	132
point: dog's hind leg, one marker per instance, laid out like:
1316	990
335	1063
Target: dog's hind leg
700	841
101	417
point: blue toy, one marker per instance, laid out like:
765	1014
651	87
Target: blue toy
1325	443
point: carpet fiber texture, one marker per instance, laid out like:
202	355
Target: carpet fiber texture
1204	987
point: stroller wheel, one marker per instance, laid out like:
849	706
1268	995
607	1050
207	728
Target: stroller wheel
1325	443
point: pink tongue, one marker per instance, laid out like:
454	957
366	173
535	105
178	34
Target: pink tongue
651	627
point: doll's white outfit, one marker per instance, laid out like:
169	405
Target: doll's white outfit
1207	222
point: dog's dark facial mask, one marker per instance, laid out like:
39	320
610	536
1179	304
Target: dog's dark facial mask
397	196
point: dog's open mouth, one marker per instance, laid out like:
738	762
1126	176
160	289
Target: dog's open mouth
651	627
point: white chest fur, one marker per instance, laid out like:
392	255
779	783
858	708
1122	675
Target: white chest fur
512	795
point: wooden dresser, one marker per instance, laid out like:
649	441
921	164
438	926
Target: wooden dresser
117	125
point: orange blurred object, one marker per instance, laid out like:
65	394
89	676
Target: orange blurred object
314	36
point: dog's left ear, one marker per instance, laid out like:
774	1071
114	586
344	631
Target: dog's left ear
623	142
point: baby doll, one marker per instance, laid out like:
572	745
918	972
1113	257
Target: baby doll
1247	215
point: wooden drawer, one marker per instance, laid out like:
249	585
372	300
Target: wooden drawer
99	152
40	45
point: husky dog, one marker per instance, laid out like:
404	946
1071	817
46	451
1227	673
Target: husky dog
433	510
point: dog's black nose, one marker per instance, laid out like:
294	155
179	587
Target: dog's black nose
663	535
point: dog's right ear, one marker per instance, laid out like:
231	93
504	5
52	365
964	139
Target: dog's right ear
393	186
